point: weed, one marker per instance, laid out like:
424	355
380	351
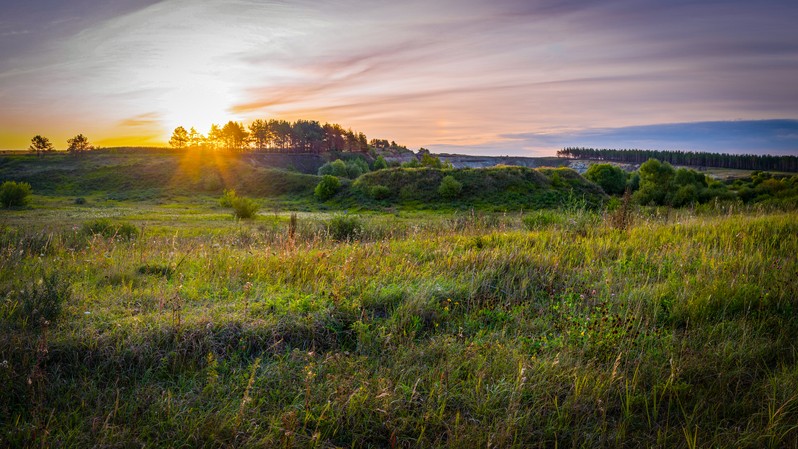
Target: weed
344	227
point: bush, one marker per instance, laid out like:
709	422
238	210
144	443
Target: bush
327	187
244	207
380	163
379	192
107	229
80	200
612	179
450	187
344	227
227	198
14	194
351	169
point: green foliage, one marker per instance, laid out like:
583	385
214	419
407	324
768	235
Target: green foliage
450	187
14	194
344	227
380	163
633	183
108	229
428	160
661	184
656	180
327	187
356	167
334	168
610	177
379	192
351	169
764	188
495	188
227	198
244	207
413	163
80	201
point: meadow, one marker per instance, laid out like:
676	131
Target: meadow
398	328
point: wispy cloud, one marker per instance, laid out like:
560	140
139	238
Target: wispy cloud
443	73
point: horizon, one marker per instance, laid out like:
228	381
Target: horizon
506	78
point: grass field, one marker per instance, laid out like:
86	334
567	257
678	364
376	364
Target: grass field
405	329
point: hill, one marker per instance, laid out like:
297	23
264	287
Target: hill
150	174
500	187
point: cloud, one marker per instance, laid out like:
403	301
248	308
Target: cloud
148	119
779	137
442	73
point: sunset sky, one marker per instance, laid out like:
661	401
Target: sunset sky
480	77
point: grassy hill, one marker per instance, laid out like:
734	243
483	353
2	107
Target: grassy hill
146	175
500	188
150	174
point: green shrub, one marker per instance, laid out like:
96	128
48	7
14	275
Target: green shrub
334	168
612	179
450	187
107	229
227	198
14	194
244	207
327	187
380	163
379	192
344	227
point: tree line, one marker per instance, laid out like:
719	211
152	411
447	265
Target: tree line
693	158
273	136
278	136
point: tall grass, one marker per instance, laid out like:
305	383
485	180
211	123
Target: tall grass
460	330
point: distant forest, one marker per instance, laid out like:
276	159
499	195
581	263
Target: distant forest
280	136
692	158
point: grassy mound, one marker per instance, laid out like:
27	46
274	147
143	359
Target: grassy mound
502	187
146	175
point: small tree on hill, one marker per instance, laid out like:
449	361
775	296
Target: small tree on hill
179	138
40	145
380	163
78	145
450	187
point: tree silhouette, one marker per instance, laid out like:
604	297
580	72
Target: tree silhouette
179	138
40	145
234	136
78	145
214	139
195	139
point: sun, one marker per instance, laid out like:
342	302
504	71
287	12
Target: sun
195	105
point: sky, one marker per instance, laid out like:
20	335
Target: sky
516	77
